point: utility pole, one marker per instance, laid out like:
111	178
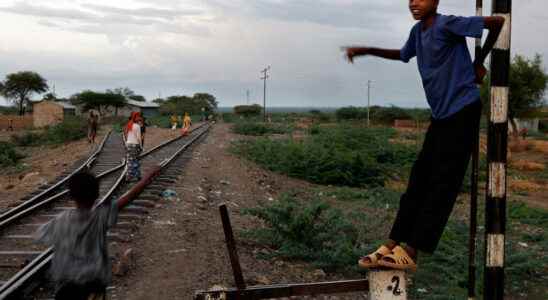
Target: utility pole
472	239
497	143
247	93
368	101
264	78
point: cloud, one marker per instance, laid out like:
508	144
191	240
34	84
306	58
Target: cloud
346	14
109	20
147	12
23	8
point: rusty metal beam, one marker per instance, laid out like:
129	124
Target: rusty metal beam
231	247
286	290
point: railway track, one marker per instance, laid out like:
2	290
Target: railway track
23	261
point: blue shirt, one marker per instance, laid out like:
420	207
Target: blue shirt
444	62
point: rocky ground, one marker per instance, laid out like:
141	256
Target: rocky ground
180	249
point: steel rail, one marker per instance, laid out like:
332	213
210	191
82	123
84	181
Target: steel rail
12	287
34	199
7	219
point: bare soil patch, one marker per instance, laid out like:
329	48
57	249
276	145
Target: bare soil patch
181	249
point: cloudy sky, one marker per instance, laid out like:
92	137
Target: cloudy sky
172	47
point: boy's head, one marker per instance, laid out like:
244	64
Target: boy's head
84	189
421	9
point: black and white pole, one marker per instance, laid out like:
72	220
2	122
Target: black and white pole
472	241
495	204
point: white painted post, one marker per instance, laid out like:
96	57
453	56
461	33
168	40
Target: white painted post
387	285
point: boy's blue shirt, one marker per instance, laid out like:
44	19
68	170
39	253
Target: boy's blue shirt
444	62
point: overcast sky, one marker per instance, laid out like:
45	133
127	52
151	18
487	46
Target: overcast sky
173	47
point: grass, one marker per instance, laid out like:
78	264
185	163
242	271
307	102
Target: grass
332	227
8	155
341	155
71	129
259	129
351	213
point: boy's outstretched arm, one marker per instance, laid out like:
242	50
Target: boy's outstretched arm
494	25
352	52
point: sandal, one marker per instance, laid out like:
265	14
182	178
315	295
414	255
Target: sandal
372	260
399	259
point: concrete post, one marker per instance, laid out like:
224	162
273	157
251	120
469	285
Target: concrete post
387	285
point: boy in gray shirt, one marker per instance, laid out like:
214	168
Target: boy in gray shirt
81	267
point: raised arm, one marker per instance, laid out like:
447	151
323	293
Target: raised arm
352	52
494	25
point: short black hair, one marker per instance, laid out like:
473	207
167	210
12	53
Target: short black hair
84	188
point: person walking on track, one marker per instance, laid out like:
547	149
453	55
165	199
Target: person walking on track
93	122
187	122
134	147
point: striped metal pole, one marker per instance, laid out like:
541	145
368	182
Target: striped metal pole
472	241
495	204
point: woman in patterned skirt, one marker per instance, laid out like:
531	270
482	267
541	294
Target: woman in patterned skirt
133	145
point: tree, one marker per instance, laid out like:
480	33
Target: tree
209	100
99	101
527	84
184	104
128	93
19	87
248	110
49	97
138	98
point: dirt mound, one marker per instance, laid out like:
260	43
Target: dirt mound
540	146
525	165
524	185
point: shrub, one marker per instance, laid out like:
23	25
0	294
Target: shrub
248	110
339	156
72	128
8	155
252	128
387	115
351	113
313	232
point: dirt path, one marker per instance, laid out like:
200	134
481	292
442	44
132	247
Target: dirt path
180	248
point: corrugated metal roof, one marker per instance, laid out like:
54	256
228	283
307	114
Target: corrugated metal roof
65	105
142	104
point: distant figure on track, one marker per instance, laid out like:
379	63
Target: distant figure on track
187	122
143	125
449	79
133	147
81	266
173	121
93	122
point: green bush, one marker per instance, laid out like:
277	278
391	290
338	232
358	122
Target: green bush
159	121
248	110
351	113
543	126
253	128
313	232
387	115
340	156
71	129
8	155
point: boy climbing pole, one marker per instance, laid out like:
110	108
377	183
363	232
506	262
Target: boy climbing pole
449	79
